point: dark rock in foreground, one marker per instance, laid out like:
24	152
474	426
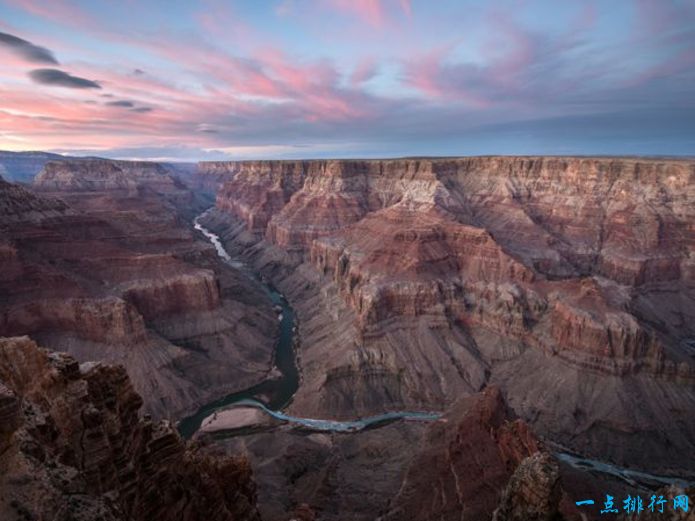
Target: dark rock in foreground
73	447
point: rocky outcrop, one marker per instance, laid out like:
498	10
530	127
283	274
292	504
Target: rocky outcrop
481	462
77	449
477	438
107	320
533	492
403	262
419	280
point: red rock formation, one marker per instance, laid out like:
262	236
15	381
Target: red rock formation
261	189
103	174
533	492
103	266
211	175
77	449
466	461
418	280
400	237
380	261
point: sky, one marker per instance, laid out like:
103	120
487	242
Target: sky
233	79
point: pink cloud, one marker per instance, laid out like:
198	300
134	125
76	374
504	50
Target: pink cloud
59	11
365	70
372	12
510	52
220	22
430	74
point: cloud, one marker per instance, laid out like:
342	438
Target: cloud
58	78
396	82
27	50
364	71
371	12
121	103
208	129
129	105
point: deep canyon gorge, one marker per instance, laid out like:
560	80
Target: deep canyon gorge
539	311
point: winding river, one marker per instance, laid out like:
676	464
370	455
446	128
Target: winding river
273	395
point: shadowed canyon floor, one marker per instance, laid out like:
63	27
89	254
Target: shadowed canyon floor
539	304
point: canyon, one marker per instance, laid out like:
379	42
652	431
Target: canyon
98	263
537	306
567	282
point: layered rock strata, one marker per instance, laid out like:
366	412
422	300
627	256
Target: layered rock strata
103	174
419	280
105	267
73	447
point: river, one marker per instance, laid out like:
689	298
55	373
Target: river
278	392
273	395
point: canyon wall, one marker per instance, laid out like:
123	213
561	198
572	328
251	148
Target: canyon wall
211	175
103	174
100	261
418	281
74	447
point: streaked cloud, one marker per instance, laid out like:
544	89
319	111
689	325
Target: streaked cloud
26	50
371	12
58	78
387	77
120	103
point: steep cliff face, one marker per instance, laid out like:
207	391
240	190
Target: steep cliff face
110	274
103	180
625	219
480	462
211	175
260	190
102	174
73	447
477	438
417	280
